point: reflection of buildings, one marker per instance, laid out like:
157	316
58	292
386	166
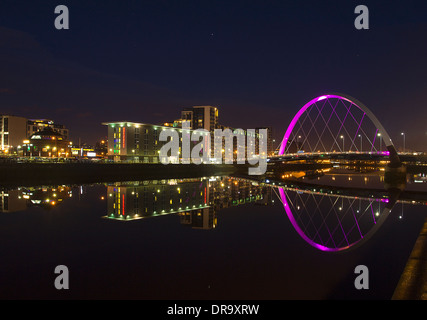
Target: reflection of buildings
21	198
195	201
199	219
47	197
227	192
10	201
136	200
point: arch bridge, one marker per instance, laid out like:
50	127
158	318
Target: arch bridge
337	126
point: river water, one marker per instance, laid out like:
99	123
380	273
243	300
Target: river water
210	238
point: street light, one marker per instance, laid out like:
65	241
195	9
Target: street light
360	136
381	141
403	134
342	137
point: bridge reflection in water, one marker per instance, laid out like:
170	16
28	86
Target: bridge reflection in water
334	222
335	210
329	217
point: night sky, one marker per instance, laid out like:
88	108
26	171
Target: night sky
258	61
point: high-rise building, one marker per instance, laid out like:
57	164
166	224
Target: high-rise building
270	147
201	117
12	132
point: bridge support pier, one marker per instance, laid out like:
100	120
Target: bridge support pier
394	157
395	178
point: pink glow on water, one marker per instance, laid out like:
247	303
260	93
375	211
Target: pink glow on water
299	230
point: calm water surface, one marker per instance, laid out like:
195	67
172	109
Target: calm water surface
209	238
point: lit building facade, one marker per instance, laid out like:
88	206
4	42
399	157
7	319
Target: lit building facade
250	139
201	117
137	142
34	125
46	143
270	147
12	132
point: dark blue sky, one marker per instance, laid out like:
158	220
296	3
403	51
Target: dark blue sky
258	61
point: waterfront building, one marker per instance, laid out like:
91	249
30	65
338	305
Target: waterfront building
12	132
46	143
138	142
133	141
34	125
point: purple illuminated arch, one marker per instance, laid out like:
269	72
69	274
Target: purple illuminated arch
378	223
299	230
386	138
394	161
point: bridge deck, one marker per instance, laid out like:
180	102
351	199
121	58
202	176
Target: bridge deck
362	156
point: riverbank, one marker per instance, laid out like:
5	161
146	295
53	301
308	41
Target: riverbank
32	174
413	282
